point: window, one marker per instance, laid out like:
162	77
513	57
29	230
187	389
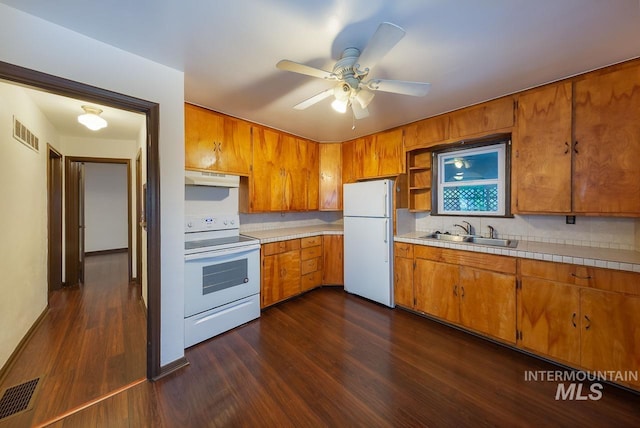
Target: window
473	181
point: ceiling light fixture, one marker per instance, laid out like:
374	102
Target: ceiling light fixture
340	105
91	118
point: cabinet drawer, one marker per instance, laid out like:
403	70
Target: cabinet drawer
310	241
310	253
401	249
586	276
491	262
311	280
311	265
280	247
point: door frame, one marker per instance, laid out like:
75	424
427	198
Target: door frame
73	201
61	86
54	219
139	222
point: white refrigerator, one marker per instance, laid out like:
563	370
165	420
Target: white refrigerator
368	240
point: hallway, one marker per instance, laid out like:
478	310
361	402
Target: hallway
91	342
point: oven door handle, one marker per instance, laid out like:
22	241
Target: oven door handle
217	253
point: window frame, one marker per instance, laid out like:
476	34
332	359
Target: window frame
465	147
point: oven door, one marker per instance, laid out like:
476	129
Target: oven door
215	278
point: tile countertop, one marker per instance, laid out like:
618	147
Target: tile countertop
588	256
275	235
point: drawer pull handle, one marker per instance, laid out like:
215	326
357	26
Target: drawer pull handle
566	148
588	326
580	277
573	320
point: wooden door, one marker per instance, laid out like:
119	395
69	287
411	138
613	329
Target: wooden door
280	277
330	180
488	302
234	154
403	282
389	153
54	198
610	332
437	289
541	151
333	260
203	136
73	224
268	177
549	318
607	143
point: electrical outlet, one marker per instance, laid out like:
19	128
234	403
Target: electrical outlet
571	219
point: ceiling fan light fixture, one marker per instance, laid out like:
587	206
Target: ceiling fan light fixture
364	97
340	105
91	118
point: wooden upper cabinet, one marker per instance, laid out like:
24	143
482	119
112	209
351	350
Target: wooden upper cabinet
541	151
379	155
482	118
427	132
348	165
607	143
215	142
330	186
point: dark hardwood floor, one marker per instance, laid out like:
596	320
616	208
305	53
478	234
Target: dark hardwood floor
331	359
92	341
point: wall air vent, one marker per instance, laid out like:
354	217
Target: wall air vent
24	135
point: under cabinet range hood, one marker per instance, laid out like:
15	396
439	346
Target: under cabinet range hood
201	178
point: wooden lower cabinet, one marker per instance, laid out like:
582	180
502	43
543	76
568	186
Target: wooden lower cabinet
280	271
311	262
403	293
333	260
586	317
549	317
437	289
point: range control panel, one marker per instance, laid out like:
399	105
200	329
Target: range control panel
201	223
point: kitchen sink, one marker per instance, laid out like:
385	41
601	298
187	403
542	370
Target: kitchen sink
471	239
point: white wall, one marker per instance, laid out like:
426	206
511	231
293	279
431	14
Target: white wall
52	49
23	219
106	206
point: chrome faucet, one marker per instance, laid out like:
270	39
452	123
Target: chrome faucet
492	231
468	229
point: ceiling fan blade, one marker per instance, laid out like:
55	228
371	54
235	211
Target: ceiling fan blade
359	112
364	97
416	89
386	37
314	99
296	67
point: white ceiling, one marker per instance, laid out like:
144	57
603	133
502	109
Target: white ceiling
469	50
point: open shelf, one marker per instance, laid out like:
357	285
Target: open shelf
419	162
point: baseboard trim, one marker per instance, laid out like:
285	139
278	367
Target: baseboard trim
104	252
171	367
21	345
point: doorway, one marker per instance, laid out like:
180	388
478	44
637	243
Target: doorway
60	86
54	202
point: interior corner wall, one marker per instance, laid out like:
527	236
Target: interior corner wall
55	50
23	218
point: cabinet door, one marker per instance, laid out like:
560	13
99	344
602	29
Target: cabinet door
280	277
332	254
365	158
489	116
330	186
234	154
403	282
488	302
607	143
203	131
389	153
427	132
541	152
550	318
348	153
310	174
268	178
436	289
610	337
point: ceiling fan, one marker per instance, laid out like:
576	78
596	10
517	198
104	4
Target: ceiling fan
352	70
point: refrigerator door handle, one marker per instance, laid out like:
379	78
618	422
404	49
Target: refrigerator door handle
386	239
386	203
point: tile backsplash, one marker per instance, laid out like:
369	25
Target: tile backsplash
601	232
253	222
